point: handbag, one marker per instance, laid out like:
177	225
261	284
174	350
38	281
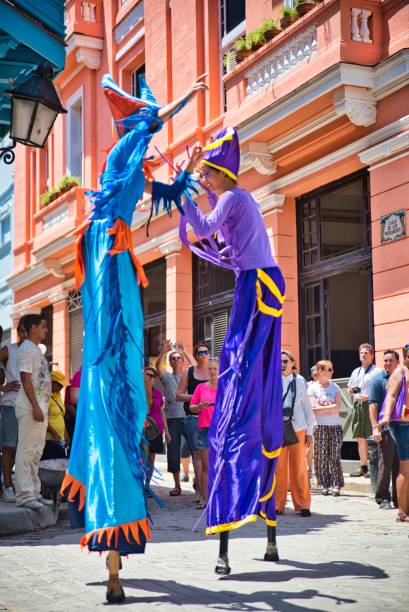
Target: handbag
151	429
400	411
290	437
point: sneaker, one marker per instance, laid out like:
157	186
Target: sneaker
45	502
185	479
325	491
8	495
33	504
305	512
336	492
385	505
360	472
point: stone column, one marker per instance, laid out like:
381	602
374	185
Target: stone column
178	292
61	331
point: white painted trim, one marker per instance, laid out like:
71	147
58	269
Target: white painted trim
351	149
389	161
227	40
131	42
78	95
81	40
305	130
385	149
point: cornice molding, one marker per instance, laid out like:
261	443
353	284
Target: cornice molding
389	147
88	50
171	248
256	155
357	103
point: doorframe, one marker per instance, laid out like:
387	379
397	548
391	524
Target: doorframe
361	259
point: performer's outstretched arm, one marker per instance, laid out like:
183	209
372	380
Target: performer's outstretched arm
166	112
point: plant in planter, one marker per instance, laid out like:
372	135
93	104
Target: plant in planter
288	16
67	183
242	49
255	39
304	6
269	29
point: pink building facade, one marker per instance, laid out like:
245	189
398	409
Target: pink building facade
323	117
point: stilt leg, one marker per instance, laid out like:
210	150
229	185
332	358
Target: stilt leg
115	592
272	551
222	566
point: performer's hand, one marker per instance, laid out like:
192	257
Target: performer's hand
198	85
196	155
308	441
38	414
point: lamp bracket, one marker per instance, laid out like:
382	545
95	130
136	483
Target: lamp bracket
8	154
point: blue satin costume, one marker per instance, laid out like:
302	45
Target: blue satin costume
105	479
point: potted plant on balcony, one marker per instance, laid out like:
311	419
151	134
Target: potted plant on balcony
242	49
269	29
288	16
67	183
304	6
255	39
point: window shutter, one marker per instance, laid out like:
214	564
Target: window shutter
220	325
76	336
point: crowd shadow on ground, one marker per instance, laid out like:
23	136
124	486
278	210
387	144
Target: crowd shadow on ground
180	594
176	522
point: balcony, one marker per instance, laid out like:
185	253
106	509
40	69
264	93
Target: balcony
84	17
55	223
334	32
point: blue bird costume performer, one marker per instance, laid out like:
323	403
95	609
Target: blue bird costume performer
105	480
246	433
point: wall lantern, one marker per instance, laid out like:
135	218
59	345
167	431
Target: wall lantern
34	108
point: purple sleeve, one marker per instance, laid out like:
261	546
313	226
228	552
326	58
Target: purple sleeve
206	225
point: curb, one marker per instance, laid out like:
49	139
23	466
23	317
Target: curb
20	520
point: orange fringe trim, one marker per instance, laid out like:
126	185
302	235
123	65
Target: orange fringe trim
76	485
123	242
128	529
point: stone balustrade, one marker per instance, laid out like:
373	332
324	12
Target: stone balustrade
360	31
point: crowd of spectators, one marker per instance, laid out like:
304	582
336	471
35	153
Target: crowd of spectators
37	423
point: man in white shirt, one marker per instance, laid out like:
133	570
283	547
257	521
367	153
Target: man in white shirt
292	461
32	414
8	420
359	386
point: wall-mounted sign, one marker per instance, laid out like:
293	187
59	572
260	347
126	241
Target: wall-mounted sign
393	226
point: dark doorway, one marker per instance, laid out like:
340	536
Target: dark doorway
154	308
335	273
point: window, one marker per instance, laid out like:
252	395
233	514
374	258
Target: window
233	13
154	308
75	136
135	80
5	230
289	3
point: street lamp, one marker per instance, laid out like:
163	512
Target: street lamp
34	108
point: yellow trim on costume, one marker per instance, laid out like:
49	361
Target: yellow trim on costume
220	141
229	526
225	170
271	454
269	522
268	310
270	494
268	281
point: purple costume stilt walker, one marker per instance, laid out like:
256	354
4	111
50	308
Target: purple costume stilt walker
246	433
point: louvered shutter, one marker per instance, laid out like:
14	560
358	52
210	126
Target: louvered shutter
76	335
219	324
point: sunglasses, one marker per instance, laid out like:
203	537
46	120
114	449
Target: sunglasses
149	374
285	361
199	353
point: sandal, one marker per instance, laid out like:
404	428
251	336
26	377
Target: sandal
115	592
201	506
402	517
175	492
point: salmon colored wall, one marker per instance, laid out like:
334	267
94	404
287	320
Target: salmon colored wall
61	335
179	317
390	192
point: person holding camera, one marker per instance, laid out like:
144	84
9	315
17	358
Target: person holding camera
359	386
292	461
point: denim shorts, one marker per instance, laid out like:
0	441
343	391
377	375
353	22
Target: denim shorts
8	427
192	432
204	438
400	433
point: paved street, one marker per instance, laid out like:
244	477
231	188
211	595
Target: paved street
349	555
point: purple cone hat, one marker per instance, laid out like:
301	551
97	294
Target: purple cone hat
224	153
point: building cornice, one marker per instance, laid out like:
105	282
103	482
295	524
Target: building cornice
88	50
379	81
355	147
392	146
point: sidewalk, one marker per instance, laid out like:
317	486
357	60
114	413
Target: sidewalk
348	554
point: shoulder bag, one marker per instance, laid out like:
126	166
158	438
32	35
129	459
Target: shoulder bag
290	437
